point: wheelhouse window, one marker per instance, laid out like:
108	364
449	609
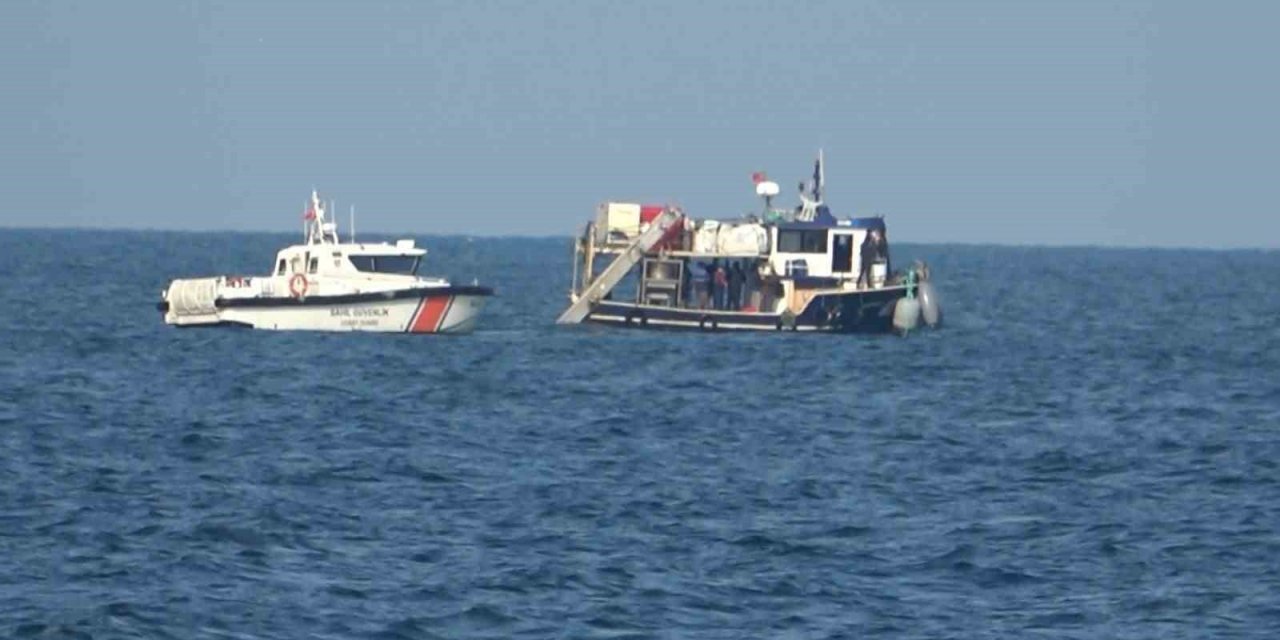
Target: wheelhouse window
404	265
801	241
314	265
280	268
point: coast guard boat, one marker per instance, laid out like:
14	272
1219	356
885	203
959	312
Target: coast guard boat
798	269
324	284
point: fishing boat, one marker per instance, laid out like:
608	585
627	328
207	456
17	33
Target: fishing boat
798	269
325	284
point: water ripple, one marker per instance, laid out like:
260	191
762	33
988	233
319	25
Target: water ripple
1085	451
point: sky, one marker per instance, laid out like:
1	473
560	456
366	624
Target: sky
1028	123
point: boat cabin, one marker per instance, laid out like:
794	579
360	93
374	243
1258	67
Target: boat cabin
401	258
323	252
821	249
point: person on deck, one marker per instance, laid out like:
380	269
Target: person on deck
721	287
882	250
735	286
710	300
698	285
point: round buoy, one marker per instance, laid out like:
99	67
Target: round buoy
906	314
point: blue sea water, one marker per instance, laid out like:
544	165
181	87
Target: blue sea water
1088	449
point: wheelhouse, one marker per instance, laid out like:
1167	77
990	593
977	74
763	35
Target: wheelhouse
822	249
400	259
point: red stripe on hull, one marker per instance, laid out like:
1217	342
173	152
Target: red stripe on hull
430	314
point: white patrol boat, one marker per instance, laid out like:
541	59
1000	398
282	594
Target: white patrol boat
328	285
796	269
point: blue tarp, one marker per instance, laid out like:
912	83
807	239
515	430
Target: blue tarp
825	220
867	223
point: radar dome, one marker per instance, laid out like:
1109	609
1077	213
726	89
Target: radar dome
767	188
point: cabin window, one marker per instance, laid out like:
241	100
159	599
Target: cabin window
405	265
313	265
280	268
798	241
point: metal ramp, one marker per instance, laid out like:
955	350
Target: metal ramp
613	274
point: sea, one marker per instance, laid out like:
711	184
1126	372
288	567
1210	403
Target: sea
1088	448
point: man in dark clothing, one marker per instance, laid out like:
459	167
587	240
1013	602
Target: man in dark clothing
735	286
712	290
882	250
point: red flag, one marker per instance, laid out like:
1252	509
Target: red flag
310	214
758	177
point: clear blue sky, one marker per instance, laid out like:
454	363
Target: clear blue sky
1126	123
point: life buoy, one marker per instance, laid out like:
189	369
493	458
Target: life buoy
298	285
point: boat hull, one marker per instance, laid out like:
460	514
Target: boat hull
444	310
860	311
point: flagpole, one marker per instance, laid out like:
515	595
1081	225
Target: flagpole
822	175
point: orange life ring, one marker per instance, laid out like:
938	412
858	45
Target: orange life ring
298	285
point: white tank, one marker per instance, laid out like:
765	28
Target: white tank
878	271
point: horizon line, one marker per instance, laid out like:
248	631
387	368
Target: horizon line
519	236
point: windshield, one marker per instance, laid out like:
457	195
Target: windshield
404	265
